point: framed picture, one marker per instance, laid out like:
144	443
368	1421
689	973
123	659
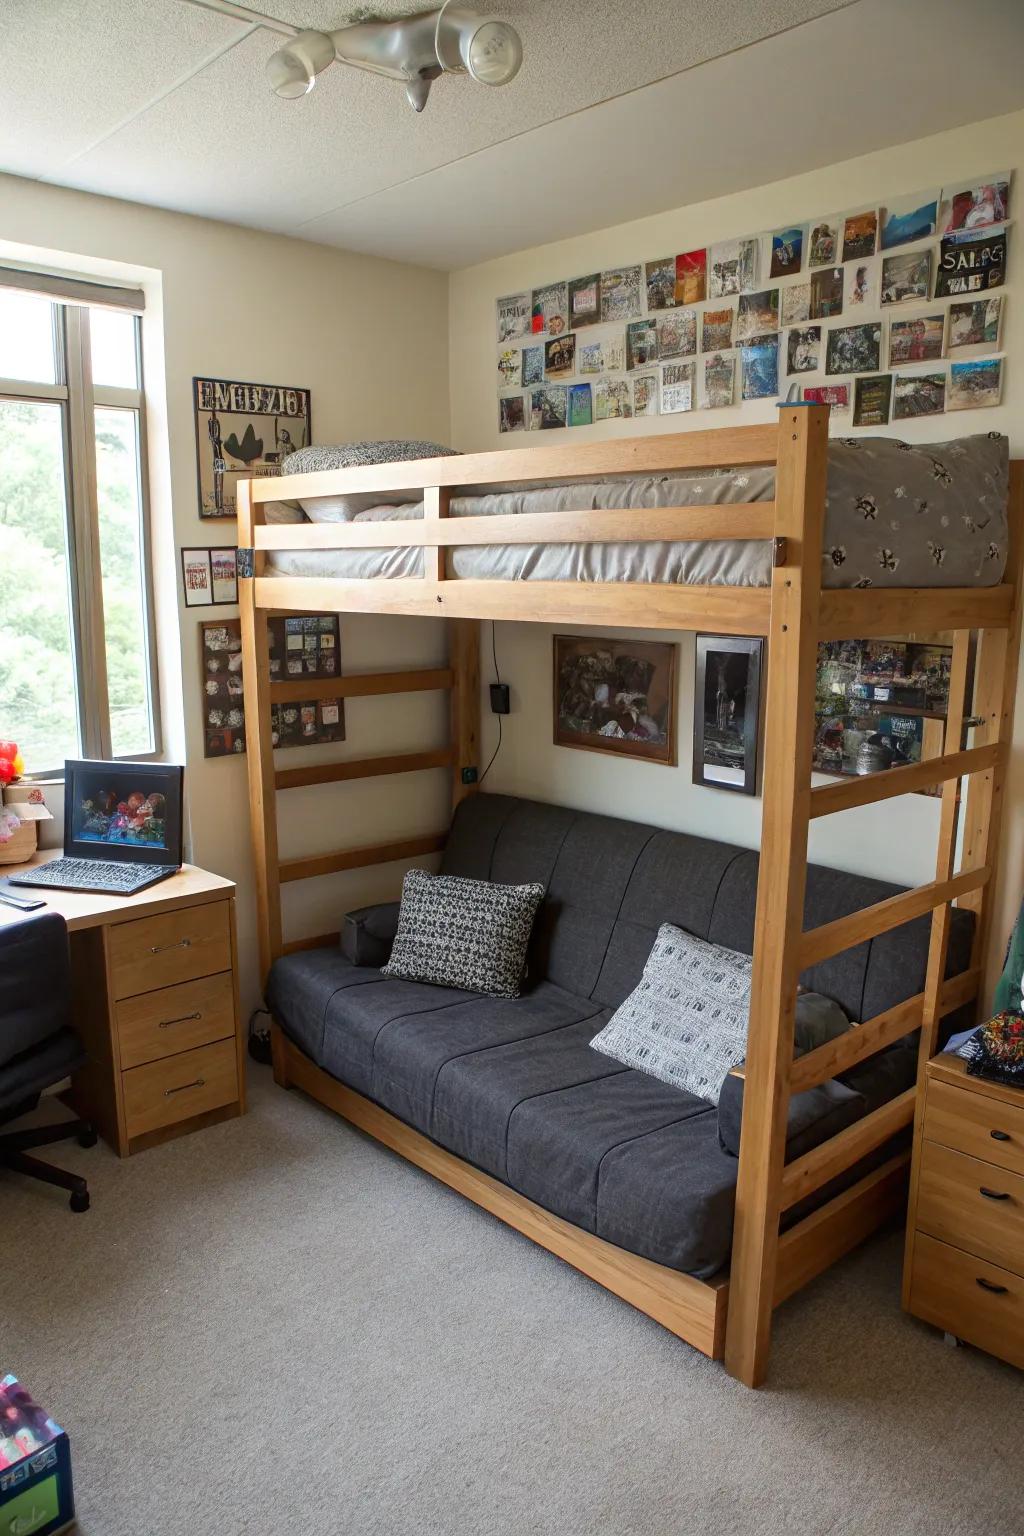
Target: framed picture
302	648
727	712
243	431
209	576
220	642
615	696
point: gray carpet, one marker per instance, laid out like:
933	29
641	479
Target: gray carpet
278	1326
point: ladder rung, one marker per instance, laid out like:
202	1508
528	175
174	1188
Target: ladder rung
360	685
872	787
363	768
846	1050
841	1152
359	858
818	944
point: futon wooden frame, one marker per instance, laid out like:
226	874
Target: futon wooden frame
730	1315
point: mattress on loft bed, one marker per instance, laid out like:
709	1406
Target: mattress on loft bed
897	515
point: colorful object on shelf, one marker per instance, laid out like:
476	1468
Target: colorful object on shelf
36	1494
996	1050
12	764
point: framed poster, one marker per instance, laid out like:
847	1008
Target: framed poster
616	696
209	576
302	648
223	710
727	712
243	431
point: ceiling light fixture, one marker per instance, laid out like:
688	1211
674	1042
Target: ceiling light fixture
451	39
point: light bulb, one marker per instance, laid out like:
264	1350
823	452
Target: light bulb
493	53
293	69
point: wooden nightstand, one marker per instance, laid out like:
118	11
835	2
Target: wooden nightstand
155	980
964	1268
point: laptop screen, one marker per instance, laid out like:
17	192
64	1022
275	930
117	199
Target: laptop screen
123	811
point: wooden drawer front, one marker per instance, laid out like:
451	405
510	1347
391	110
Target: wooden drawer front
945	1291
157	1024
175	946
965	1120
951	1205
164	1092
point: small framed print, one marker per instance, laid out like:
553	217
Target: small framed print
616	696
727	712
224	570
209	577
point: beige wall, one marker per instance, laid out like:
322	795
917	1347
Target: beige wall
369	339
895	840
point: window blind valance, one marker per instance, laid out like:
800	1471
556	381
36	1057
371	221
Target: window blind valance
73	290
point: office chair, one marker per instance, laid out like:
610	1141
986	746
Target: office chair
38	1047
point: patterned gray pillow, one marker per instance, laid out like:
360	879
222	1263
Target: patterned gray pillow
686	1020
342	509
471	934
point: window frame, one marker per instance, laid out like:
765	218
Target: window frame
78	397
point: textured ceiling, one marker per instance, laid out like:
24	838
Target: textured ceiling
622	107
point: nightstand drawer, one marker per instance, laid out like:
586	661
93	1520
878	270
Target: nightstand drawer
976	1124
172	947
975	1300
164	1092
158	1024
973	1205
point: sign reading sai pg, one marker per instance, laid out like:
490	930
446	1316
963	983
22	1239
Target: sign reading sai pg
970	263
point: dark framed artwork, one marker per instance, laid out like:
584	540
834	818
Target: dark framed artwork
616	696
243	431
302	649
727	712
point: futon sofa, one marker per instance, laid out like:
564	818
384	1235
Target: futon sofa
514	1086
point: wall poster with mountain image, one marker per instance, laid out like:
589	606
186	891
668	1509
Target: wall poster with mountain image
244	431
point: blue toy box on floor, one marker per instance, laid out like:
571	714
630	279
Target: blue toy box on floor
36	1496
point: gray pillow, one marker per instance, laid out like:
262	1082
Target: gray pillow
342	509
471	934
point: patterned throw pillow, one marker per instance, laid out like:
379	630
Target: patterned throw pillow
686	1021
463	933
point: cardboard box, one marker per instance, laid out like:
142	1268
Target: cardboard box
36	1494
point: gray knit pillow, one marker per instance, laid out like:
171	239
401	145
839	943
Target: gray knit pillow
471	934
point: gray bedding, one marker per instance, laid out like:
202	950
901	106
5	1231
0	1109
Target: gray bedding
897	514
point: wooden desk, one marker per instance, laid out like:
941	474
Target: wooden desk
155	979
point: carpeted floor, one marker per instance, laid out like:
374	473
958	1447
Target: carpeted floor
278	1326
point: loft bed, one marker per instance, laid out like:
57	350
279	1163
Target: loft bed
772	1256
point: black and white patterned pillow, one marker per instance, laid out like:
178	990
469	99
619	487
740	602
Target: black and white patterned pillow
686	1020
463	933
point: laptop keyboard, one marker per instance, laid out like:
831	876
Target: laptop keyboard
95	875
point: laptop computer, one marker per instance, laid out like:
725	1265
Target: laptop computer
122	829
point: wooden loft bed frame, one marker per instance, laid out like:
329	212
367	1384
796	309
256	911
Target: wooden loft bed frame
731	1314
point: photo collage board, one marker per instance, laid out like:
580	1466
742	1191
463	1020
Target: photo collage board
885	313
303	648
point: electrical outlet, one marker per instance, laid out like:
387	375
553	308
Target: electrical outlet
469	775
500	699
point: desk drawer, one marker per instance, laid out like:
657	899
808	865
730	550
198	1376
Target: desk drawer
976	1124
175	946
945	1290
164	1092
157	1024
972	1204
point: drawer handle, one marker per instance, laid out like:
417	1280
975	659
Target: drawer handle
200	1082
1000	1136
987	1285
185	1018
993	1194
158	949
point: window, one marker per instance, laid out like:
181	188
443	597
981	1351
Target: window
77	664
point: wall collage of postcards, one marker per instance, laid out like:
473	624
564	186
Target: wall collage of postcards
885	313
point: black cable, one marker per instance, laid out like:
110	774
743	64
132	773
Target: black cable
497	679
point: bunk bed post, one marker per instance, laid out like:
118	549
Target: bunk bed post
464	661
792	663
258	742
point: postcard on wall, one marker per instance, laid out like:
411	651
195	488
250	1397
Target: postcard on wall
716	330
532	366
907	279
916	341
796	304
513	313
759	361
677	333
548	408
645	394
585	301
860	235
581	411
508	367
641	344
860	286
550	310
974	384
803	349
787	251
692	277
971	264
918	394
854	349
616	695
719	381
909	218
196	578
732	267
827	293
757	313
243	431
976	323
511	414
661	283
589	357
872	400
835	396
224	571
620	294
613	352
676	388
611	399
975	206
560	357
823	248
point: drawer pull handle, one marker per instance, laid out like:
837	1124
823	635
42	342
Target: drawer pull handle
158	949
200	1082
993	1194
185	1018
1000	1136
986	1285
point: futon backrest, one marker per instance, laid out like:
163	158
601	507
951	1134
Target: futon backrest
611	883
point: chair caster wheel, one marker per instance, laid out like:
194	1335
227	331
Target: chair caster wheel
88	1138
79	1202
